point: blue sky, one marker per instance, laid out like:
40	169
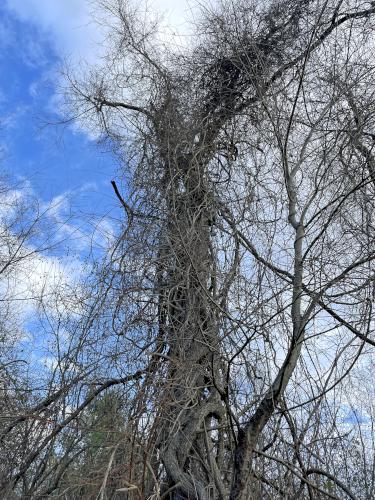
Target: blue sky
57	160
61	166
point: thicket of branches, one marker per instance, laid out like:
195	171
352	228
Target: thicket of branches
224	348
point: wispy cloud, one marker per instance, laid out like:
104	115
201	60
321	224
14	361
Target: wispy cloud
84	233
66	23
39	273
69	26
10	120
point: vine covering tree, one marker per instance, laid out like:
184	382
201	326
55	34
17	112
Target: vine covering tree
234	312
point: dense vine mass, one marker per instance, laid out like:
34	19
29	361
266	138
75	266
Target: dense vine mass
224	348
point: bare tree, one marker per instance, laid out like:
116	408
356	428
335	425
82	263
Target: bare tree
234	313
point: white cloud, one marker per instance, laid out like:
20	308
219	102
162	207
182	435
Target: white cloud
69	26
176	14
33	276
30	277
84	233
11	119
65	22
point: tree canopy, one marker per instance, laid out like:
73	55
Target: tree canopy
223	348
